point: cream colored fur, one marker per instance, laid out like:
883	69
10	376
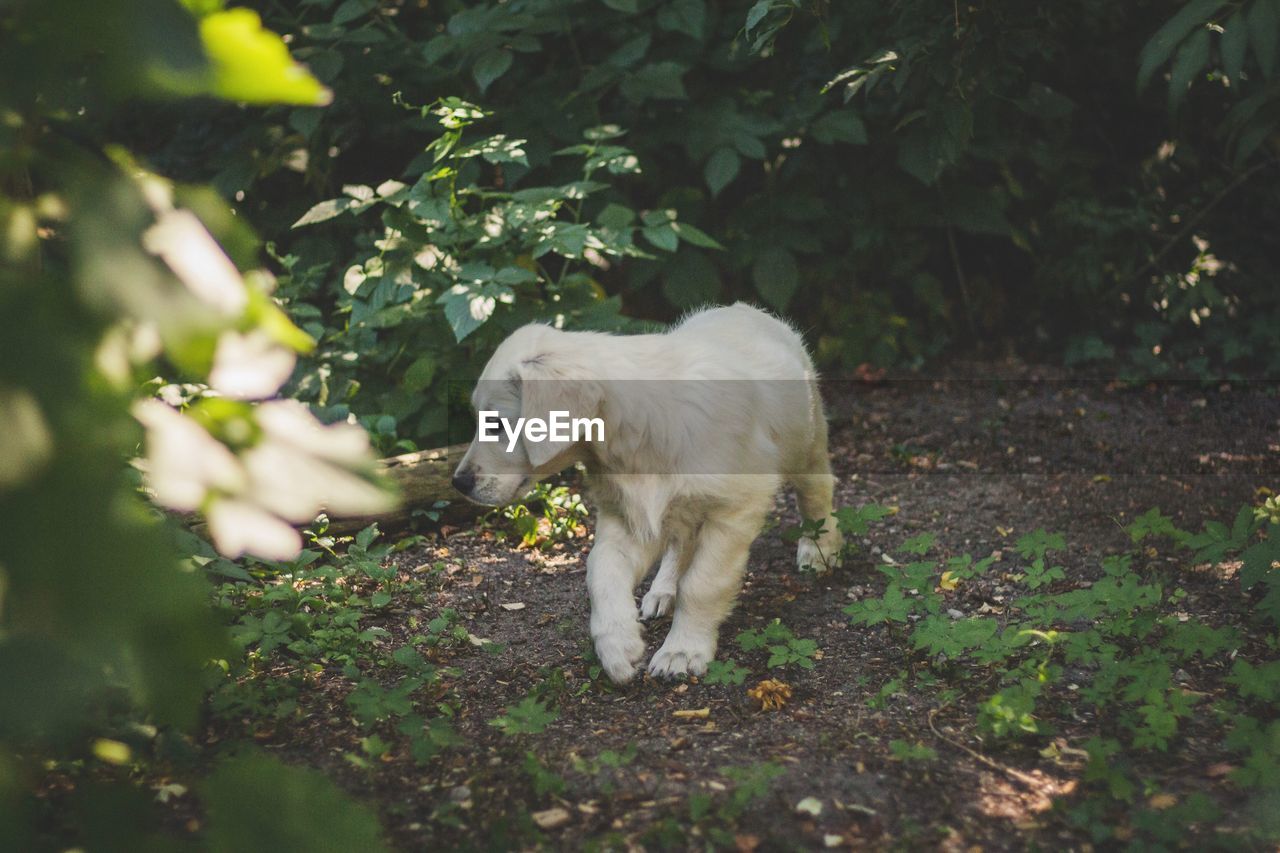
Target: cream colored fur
703	425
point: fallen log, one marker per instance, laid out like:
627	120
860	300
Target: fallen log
423	481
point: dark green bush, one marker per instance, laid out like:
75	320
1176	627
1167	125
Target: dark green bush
901	179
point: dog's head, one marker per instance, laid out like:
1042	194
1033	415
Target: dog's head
536	371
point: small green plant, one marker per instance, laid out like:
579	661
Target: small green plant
725	672
716	817
529	716
857	521
1035	546
559	516
905	750
784	647
544	781
1126	643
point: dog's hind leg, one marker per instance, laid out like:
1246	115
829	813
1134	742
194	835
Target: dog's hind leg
662	592
706	592
617	562
661	596
815	493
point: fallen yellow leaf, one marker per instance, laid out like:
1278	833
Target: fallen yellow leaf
948	581
552	818
697	714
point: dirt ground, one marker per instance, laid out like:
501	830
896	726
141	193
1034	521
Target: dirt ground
977	461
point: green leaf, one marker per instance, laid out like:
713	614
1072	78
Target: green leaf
684	16
438	48
1264	34
722	167
529	716
255	803
1160	47
616	216
1192	57
840	126
467	308
627	6
325	211
200	8
776	276
1235	41
659	80
749	145
1256	563
918	545
252	65
756	14
352	9
725	672
694	235
662	236
491	65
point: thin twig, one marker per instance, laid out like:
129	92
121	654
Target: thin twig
1011	772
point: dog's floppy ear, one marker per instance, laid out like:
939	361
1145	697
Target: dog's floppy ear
548	385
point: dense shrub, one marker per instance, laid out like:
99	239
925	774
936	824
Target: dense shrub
901	179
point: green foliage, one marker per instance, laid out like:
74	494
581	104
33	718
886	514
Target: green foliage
725	672
1124	642
904	750
784	648
111	277
557	515
856	522
1034	547
986	200
256	803
544	781
476	260
309	613
715	817
527	717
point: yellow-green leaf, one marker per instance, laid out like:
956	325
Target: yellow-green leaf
252	64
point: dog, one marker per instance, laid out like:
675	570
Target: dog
702	425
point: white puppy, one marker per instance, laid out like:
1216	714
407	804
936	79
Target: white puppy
701	427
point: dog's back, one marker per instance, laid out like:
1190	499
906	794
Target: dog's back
777	376
743	342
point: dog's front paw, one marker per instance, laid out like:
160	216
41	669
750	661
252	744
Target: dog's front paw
676	659
619	655
814	557
657	602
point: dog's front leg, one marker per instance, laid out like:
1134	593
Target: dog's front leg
706	592
615	565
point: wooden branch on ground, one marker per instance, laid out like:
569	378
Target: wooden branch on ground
423	479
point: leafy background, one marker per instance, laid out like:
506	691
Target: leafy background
903	180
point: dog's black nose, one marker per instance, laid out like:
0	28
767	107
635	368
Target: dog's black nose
464	481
